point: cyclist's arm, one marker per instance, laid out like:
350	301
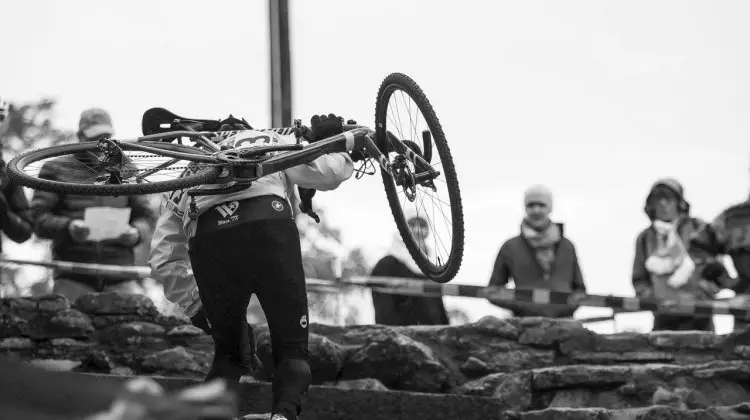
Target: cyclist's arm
170	262
324	173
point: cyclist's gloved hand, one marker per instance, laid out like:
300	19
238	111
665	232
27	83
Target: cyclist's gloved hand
305	202
324	126
305	198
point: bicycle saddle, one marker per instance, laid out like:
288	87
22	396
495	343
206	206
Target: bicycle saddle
160	120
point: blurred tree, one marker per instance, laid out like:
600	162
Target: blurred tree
30	126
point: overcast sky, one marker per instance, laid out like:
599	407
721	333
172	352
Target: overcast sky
596	99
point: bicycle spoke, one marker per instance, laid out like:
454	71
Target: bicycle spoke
136	167
429	204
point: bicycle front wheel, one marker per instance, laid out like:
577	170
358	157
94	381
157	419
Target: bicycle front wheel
81	169
431	224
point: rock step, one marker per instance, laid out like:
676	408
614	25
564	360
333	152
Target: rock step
329	403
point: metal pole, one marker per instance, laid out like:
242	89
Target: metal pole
281	84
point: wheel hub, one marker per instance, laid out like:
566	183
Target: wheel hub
405	177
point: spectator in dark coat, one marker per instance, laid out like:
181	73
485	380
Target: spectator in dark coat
540	257
666	266
392	309
15	220
59	217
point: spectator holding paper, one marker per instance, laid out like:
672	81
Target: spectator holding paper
89	229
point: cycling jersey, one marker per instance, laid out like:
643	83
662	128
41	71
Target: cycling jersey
169	258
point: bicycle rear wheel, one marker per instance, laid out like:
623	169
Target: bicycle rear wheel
78	169
436	246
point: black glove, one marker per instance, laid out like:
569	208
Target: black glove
713	271
305	202
324	126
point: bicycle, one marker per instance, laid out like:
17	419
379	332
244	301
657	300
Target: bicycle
406	168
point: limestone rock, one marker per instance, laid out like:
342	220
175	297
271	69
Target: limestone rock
175	360
115	303
398	361
367	384
16	343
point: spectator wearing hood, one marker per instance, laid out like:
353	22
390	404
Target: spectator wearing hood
392	309
539	257
664	266
729	234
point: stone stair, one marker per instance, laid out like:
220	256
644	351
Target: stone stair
532	368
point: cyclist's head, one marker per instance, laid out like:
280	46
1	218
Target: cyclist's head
94	123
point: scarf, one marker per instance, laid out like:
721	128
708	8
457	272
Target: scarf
670	258
543	242
398	250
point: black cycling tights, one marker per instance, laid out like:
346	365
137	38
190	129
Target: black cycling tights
261	257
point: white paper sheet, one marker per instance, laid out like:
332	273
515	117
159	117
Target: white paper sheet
106	222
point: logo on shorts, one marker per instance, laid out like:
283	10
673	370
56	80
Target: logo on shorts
277	205
227	211
303	321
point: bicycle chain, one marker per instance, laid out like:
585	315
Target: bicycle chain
239	162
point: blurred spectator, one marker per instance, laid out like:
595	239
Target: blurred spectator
539	257
665	263
59	217
728	234
15	220
392	309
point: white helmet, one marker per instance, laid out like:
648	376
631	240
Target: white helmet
4	110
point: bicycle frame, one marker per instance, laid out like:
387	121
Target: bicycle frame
355	138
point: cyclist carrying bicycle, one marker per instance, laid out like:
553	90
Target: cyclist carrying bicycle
243	243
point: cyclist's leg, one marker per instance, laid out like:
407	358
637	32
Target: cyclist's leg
282	293
222	272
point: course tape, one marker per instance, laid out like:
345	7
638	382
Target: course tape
684	306
414	287
135	272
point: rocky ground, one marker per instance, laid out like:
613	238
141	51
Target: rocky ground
533	368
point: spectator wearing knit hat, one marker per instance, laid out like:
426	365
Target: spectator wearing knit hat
539	257
664	266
